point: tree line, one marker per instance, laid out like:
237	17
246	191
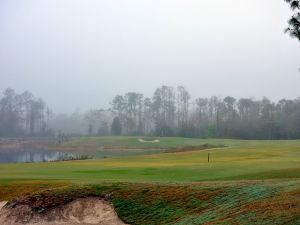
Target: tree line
23	115
172	112
168	112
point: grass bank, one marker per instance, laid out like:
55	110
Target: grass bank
272	202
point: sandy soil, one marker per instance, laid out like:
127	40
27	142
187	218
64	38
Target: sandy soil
2	204
81	211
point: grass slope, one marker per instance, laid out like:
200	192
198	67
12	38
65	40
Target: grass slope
248	182
202	203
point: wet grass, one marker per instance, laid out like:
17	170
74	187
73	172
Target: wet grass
273	202
241	160
114	146
248	182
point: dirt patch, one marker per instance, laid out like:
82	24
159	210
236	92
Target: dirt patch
83	211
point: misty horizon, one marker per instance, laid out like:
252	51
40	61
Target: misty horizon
79	55
108	104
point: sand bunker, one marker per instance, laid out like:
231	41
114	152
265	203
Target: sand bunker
152	141
2	204
81	211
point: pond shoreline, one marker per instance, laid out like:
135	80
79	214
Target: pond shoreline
38	155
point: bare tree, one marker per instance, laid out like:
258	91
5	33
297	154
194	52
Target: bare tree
163	107
183	98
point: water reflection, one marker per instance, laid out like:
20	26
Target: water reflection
34	156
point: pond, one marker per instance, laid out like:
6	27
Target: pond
35	156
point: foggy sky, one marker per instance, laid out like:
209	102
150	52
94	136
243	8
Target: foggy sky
81	53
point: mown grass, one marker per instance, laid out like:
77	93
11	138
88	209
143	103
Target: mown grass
241	160
248	182
112	146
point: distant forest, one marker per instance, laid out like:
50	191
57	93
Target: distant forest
169	112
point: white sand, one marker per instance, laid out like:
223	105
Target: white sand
81	211
153	141
2	204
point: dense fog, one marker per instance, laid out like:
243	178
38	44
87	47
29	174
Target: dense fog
168	112
162	68
79	54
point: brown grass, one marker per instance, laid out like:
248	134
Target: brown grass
11	191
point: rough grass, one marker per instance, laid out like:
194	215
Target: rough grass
12	190
276	202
